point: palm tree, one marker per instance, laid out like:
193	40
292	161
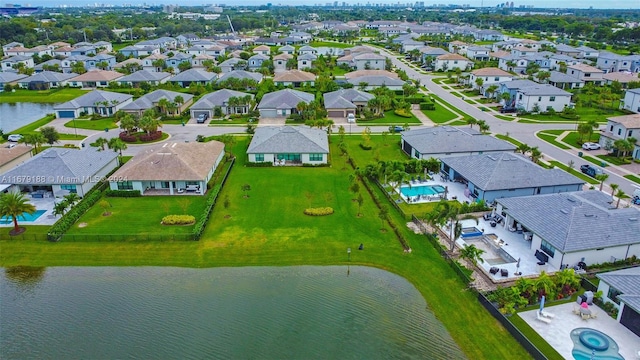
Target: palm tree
472	253
445	212
602	178
613	187
100	142
471	122
179	100
128	123
506	97
483	126
14	204
524	148
593	123
163	104
72	198
544	285
149	124
60	208
117	145
535	154
491	90
620	195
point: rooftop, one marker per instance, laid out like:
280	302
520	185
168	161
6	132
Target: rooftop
288	139
448	139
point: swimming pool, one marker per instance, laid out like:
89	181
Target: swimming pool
422	190
24	217
590	344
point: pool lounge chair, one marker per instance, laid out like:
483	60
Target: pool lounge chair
542	318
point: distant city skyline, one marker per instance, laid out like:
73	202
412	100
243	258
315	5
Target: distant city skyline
539	4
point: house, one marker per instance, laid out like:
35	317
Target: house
295	78
11	45
489	76
610	62
56	172
563	49
155	63
50	64
138	51
307	50
631	101
144	76
429	54
11	64
622	289
9	78
445	141
623	78
255	62
170	169
103	103
343	102
410	45
194	77
301	36
458	47
306	61
103	45
280	61
556	61
564	81
136	63
488	35
492	176
152	99
287	49
45	80
262	50
523	51
529	96
11	157
95	79
371	82
621	128
586	73
368	61
360	73
200	61
232	64
282	103
289	145
185	39
100	61
572	227
587	52
449	62
478	53
178	58
220	99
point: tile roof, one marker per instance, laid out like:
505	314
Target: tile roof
172	162
628	121
97	75
217	98
49	76
10	154
585	68
194	75
576	221
144	75
491	71
288	139
6	77
92	97
448	139
375	80
359	73
343	99
284	99
241	74
452	57
558	77
149	100
621	77
294	76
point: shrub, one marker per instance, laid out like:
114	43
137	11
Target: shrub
127	138
402	113
365	147
178	220
151	137
64	223
427	106
259	164
318	211
122	193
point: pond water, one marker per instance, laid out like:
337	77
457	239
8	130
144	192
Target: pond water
14	116
306	312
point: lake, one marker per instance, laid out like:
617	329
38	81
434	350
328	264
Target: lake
14	116
304	312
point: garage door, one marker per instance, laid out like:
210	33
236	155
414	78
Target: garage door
631	319
66	114
268	113
335	113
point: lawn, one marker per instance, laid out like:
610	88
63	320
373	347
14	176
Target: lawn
330	44
31	128
42	96
551	139
574	172
391	119
268	228
633	178
149	210
505	117
615	160
440	114
572	139
509	139
65	136
98	125
585	113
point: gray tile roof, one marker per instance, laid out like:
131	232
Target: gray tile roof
91	98
507	171
626	281
343	99
288	139
60	166
49	63
6	77
448	139
147	101
144	75
231	62
558	77
17	58
241	74
576	221
217	98
376	81
284	99
194	75
49	76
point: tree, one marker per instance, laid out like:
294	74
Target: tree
13	205
105	205
71	198
491	90
184	66
535	154
246	188
544	285
479	83
78	67
50	134
116	144
360	201
472	253
100	142
60	207
620	195
584	129
483	126
128	123
523	148
452	213
471	122
149	124
507	99
383	214
602	178
543	76
614	187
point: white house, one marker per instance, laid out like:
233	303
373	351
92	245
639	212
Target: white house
305	61
478	53
542	96
283	103
631	100
289	145
9	63
449	62
586	73
489	76
99	102
621	128
622	289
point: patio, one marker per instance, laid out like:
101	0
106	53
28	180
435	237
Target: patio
502	249
46	218
558	331
455	190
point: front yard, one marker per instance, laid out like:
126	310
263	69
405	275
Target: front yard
98	125
391	119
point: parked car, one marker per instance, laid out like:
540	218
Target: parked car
506	110
14	137
591	170
202	118
591	146
351	118
395	129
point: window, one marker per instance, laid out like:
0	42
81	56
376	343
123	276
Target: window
539	98
611	128
125	185
496	78
619	131
552	98
316	157
630	133
289	157
71	188
520	97
259	157
587	75
547	248
613	294
455	61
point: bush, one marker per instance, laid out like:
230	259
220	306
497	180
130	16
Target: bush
64	223
427	106
178	220
402	113
151	137
259	164
318	211
127	138
365	147
122	193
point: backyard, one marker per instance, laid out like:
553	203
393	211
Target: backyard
41	96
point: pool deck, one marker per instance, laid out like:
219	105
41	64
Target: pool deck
455	191
46	218
558	332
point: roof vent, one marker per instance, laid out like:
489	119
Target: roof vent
633	219
588	215
564	211
571	199
491	157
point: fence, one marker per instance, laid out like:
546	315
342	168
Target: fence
212	202
588	285
125	237
25	236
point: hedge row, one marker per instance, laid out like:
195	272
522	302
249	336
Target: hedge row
259	164
61	226
427	106
178	220
322	211
122	193
402	113
151	137
211	201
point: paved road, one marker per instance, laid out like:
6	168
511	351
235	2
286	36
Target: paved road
522	132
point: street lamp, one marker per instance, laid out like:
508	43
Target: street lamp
349	253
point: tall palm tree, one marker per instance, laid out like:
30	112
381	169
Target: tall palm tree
100	142
117	145
613	187
453	213
14	204
602	178
523	148
72	198
620	195
472	253
535	154
60	207
491	90
544	285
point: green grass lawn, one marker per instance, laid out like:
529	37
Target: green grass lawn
440	114
574	172
98	125
139	216
614	159
551	139
65	136
592	160
572	139
505	117
585	113
43	96
391	119
635	179
509	139
330	44
31	128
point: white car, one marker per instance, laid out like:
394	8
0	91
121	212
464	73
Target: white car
351	118
14	137
591	146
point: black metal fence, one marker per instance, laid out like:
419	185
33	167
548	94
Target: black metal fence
588	285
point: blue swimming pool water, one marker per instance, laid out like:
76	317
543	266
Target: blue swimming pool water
24	217
422	190
592	340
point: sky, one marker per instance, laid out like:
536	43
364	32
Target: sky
609	4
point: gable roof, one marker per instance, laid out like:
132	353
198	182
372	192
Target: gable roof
359	73
543	90
144	75
61	166
621	77
294	76
10	154
147	101
128	61
628	121
375	80
585	68
98	75
6	77
343	99
448	139
576	221
91	98
284	99
452	57
491	71
172	161
626	281
217	98
558	77
288	139
507	171
194	75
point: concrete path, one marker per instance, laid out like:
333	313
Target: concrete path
424	119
